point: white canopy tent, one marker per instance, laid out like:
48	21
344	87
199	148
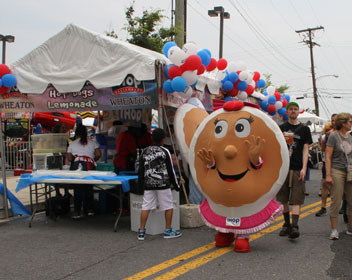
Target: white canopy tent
76	55
306	117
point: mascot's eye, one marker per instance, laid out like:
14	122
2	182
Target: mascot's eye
242	128
221	129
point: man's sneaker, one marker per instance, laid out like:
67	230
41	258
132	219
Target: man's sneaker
334	235
294	233
349	231
170	233
285	230
321	212
141	234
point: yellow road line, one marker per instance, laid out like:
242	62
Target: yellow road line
219	252
222	251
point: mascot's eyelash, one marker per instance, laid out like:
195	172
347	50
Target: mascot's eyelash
250	119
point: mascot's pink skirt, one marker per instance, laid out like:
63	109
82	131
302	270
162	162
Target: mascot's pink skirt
247	225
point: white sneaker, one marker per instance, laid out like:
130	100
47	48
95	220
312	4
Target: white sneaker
334	235
349	231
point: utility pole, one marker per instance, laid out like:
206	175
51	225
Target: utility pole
181	22
311	44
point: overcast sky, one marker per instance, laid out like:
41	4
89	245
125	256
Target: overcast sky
260	32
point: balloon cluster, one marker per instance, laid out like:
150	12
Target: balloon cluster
7	80
240	82
187	64
274	102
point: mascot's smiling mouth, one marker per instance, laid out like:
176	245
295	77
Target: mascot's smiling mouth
232	178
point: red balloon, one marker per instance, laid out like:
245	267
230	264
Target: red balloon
174	71
233	92
4	69
256	76
201	69
3	90
271	108
233	105
277	96
284	102
222	64
184	68
193	62
249	89
212	65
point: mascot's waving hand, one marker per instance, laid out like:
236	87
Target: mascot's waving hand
238	159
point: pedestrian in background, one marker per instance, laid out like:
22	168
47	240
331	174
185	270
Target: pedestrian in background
292	192
155	176
338	155
327	130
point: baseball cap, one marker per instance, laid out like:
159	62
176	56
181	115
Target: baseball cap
292	103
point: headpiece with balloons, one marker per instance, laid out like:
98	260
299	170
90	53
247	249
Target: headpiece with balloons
235	81
7	80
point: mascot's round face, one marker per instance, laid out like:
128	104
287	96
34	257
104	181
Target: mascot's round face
234	182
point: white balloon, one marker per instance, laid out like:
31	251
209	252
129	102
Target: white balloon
243	75
270	90
242	95
187	93
278	105
250	77
190	48
220	75
190	77
176	55
252	83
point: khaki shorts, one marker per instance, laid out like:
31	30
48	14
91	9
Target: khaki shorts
295	194
337	190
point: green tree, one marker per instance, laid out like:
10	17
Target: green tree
281	89
145	31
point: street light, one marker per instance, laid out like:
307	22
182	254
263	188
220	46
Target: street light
223	15
4	39
315	90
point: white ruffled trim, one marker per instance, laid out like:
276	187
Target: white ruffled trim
276	214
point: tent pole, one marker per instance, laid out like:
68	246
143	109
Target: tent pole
158	66
3	170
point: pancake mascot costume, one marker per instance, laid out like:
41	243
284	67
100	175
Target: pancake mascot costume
239	160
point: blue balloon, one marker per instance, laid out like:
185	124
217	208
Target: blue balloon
282	111
179	84
0	83
204	56
207	51
265	92
287	97
264	105
260	83
167	46
9	80
228	85
242	85
225	79
272	113
233	77
168	87
193	85
228	98
285	117
272	99
166	70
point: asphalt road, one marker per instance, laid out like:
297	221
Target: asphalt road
90	249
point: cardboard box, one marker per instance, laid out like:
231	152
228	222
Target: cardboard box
156	220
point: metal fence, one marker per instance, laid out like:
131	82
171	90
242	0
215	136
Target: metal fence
18	155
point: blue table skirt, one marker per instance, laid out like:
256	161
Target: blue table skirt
27	179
